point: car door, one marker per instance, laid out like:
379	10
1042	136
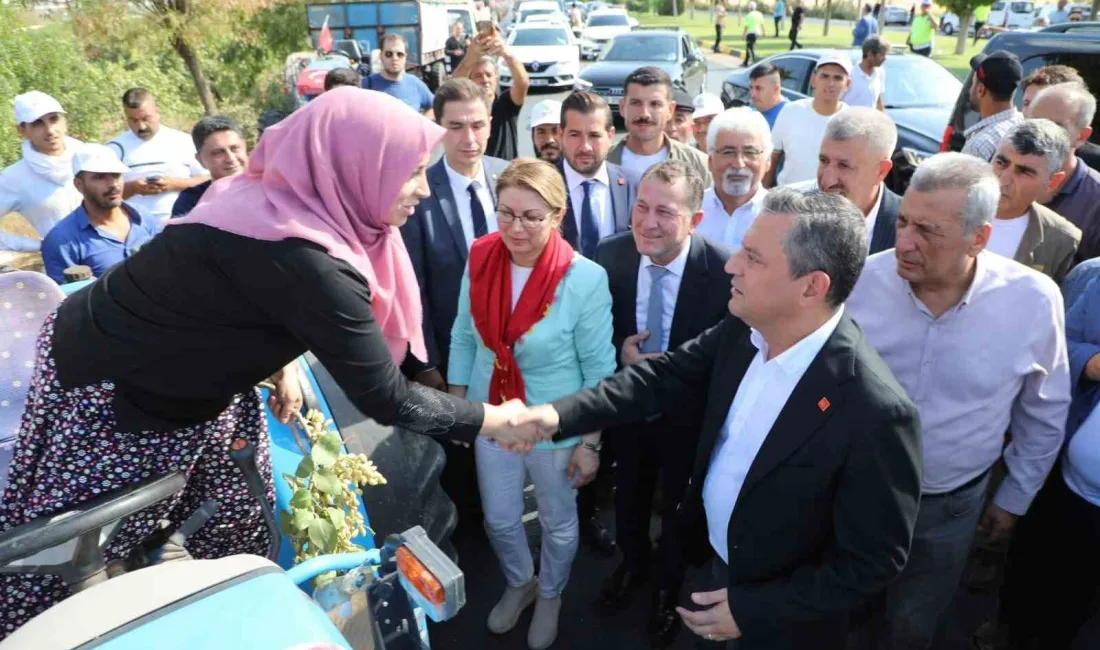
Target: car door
693	66
794	74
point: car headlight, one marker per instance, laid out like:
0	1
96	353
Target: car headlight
915	156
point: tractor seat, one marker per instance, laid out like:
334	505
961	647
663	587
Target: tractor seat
26	299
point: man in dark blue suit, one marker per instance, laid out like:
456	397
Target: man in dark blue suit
601	195
439	234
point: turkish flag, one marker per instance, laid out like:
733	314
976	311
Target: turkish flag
324	41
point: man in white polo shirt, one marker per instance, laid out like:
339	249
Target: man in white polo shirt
739	144
161	160
39	186
869	77
800	126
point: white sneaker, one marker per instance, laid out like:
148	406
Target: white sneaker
507	610
544	624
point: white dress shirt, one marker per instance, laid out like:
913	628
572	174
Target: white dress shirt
460	188
599	195
671	286
721	227
995	362
762	394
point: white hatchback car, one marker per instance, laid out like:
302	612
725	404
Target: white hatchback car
549	54
601	27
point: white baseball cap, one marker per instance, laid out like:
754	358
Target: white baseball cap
97	158
706	105
32	105
836	58
548	111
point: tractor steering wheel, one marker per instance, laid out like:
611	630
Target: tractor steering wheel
84	523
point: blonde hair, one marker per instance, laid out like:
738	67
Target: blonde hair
538	176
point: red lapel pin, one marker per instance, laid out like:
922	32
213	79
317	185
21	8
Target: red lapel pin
823	404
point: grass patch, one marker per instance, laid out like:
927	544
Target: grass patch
840	36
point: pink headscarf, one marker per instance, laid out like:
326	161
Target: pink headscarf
329	174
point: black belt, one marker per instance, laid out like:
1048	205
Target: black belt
965	486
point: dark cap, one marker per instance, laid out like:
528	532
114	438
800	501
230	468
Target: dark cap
999	71
683	100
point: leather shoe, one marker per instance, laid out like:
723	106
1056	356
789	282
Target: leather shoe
664	622
598	537
619	588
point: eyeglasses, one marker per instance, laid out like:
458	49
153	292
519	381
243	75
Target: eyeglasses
529	221
395	55
750	155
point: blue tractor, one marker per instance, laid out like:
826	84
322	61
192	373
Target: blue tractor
382	599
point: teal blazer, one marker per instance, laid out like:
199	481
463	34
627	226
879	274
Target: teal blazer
569	349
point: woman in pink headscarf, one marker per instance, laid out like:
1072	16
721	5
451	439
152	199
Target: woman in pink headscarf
152	368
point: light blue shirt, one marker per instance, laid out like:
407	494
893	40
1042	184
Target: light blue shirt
780	9
569	349
75	241
762	394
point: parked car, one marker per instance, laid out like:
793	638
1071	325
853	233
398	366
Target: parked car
896	15
1077	48
549	54
601	27
535	8
949	25
919	96
1012	15
669	49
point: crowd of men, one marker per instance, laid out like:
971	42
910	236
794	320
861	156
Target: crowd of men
982	384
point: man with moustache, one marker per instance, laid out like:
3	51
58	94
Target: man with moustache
161	160
438	236
222	151
667	287
103	231
680	126
800	126
546	130
740	146
647	106
39	186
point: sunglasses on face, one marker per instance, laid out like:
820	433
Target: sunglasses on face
395	55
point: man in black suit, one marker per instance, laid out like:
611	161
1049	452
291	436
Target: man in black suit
438	236
855	158
601	194
668	285
807	474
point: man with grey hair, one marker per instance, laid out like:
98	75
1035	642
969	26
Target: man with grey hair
806	477
1028	164
978	341
1072	107
855	158
739	144
667	287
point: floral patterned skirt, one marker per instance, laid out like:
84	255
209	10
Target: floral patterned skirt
70	450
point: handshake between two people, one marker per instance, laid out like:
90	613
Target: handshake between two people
517	427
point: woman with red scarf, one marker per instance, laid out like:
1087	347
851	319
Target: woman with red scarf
534	324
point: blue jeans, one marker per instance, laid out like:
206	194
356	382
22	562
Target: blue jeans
908	615
501	475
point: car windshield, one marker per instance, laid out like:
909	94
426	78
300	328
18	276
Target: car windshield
540	37
610	20
1022	7
914	81
642	47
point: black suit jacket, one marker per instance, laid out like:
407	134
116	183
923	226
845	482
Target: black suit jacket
624	189
437	248
825	516
884	236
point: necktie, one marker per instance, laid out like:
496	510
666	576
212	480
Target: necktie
477	212
590	232
655	311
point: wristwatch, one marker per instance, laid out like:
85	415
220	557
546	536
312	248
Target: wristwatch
594	446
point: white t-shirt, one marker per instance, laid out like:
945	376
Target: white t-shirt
520	276
866	89
41	189
797	133
641	164
1006	237
168	153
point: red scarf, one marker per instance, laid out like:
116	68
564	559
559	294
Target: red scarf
499	325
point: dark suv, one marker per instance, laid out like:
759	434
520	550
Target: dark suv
1077	48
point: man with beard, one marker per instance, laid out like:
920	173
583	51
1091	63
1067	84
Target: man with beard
740	146
647	106
103	231
161	160
39	186
480	66
996	76
801	124
221	149
546	130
